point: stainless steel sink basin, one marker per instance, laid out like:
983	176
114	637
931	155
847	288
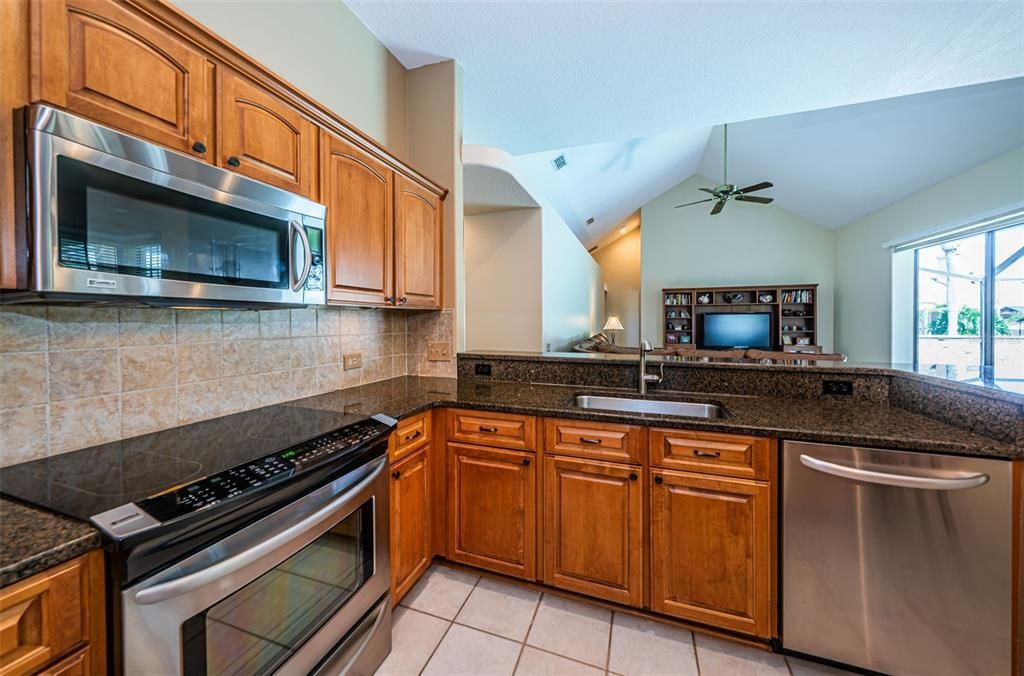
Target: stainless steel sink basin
681	408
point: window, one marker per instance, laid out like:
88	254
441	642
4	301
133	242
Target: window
970	306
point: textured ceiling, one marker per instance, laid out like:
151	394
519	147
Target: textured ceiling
544	75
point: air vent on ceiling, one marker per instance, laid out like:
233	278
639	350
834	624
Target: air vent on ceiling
559	162
590	221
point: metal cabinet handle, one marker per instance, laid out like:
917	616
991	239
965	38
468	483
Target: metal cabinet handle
706	454
410	437
489	430
526	461
396	474
951	481
199	147
234	161
592	442
658	480
632	476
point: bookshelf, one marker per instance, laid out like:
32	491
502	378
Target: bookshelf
793	308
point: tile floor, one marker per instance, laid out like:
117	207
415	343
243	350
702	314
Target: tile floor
455	623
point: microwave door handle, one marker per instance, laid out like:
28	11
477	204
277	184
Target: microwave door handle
227	566
962	481
307	258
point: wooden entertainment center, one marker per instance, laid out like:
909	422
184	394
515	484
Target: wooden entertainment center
793	310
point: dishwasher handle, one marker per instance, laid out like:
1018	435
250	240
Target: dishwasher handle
961	480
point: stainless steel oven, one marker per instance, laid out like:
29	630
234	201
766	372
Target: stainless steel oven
112	218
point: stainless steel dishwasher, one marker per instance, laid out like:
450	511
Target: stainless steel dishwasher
897	562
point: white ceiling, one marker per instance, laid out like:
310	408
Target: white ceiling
544	75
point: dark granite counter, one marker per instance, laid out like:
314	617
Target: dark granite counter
32	540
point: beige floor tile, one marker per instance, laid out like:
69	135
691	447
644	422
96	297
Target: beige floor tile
414	635
644	648
572	629
535	662
807	668
441	592
500	608
724	658
468	652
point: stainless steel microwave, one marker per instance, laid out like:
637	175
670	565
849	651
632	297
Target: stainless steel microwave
112	218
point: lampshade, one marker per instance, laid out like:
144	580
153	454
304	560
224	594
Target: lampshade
613	324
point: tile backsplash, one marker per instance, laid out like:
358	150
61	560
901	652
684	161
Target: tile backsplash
72	377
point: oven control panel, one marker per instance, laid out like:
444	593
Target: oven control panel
252	476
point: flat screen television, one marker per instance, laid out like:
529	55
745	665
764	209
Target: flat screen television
736	329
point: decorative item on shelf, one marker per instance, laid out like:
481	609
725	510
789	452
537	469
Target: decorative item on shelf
671	339
803	340
787	340
671	314
736	297
684	314
704	298
799	313
613	324
670	327
684	339
766	298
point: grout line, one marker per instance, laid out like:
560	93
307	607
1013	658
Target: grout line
696	658
451	623
522	644
608	655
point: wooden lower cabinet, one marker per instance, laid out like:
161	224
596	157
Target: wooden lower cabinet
492	509
593	528
711	550
411	545
53	622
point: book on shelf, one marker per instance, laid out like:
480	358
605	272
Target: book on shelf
798	296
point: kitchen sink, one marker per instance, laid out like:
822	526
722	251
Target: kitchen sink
658	406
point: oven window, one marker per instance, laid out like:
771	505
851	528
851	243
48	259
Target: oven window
257	628
114	223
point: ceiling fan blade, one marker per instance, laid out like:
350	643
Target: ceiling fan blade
697	202
754	198
707	190
756	187
718	207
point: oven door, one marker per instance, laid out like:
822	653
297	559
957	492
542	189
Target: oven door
115	216
283	595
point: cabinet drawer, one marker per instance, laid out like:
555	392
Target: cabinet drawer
75	664
505	430
411	433
600	441
712	453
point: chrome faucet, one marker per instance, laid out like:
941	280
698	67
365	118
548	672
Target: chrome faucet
645	347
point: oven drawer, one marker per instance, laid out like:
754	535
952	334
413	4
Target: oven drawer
712	453
411	434
505	430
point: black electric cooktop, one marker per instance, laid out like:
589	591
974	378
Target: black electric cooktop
87	482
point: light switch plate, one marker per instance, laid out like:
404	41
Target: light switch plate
438	352
353	360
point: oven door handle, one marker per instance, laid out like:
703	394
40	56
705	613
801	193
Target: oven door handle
299	280
227	566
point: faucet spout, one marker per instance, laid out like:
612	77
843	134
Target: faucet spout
645	347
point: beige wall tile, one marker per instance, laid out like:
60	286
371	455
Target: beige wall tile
275	324
198	362
84	422
275	355
23	329
148	411
199	401
328	377
329	349
303	322
146	326
23	379
240	324
198	326
328	321
24	434
304	382
75	374
73	328
240	393
304	352
240	357
145	367
275	387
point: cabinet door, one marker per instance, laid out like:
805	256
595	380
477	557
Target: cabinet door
711	542
418	225
102	61
593	528
262	137
410	522
493	514
359	194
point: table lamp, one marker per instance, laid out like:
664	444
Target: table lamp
613	324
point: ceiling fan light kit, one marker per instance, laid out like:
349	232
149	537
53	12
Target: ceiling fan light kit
727	191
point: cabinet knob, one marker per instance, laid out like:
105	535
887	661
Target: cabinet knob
199	147
234	161
396	474
526	461
632	476
658	480
403	300
389	299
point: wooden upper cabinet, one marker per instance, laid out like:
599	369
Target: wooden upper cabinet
711	550
262	137
418	225
102	61
593	528
493	514
359	194
411	545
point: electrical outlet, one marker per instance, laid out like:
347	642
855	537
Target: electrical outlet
438	352
482	369
353	360
838	387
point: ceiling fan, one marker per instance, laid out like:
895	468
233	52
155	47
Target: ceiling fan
727	191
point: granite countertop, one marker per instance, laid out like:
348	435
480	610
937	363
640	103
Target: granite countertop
32	540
